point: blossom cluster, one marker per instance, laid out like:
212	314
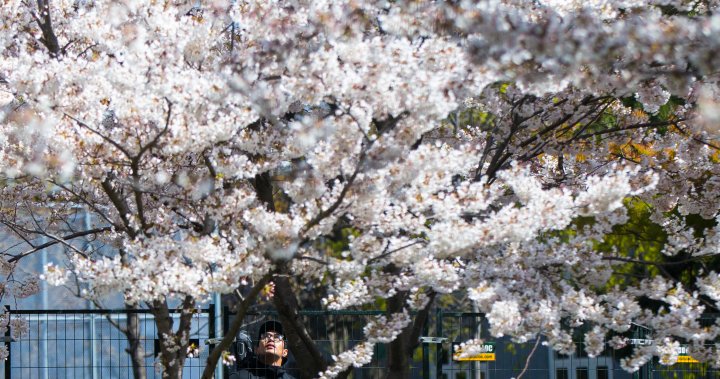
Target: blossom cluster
477	147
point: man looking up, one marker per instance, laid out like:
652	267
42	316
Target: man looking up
269	356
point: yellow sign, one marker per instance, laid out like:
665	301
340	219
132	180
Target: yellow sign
479	357
683	356
687	359
487	353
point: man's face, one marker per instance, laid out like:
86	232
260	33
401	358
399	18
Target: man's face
271	348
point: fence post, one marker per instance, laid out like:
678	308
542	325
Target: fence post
439	348
212	324
426	352
225	325
8	362
211	321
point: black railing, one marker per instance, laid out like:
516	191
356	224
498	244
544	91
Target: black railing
88	344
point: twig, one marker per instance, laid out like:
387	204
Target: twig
385	254
57	240
630	260
527	361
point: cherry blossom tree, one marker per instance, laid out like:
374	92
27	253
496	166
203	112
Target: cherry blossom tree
217	144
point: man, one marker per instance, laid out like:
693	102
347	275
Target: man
268	358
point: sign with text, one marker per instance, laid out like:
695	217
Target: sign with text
687	359
485	353
683	356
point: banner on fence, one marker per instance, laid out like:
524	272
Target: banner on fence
684	357
486	353
682	351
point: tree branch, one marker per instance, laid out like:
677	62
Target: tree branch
229	336
88	203
107	139
629	127
58	240
44	21
527	361
387	253
119	204
329	210
658	264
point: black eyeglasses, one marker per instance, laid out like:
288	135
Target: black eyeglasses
271	337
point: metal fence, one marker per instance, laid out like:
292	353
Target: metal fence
85	344
510	359
333	333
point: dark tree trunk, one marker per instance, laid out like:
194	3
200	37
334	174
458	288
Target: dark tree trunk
173	345
235	325
401	349
135	345
307	355
398	360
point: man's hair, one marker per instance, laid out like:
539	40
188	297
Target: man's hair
270	326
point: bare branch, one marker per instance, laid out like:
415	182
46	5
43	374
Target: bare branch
106	138
658	264
527	361
388	253
329	210
57	240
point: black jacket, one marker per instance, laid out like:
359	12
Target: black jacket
253	369
247	366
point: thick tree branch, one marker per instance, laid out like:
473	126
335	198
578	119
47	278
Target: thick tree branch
235	325
304	348
120	205
44	21
419	323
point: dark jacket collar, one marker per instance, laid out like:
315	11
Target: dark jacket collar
262	370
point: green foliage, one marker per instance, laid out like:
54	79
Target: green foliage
339	242
639	239
667	113
631	102
607	120
470	117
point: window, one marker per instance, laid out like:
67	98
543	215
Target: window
602	372
581	373
561	373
